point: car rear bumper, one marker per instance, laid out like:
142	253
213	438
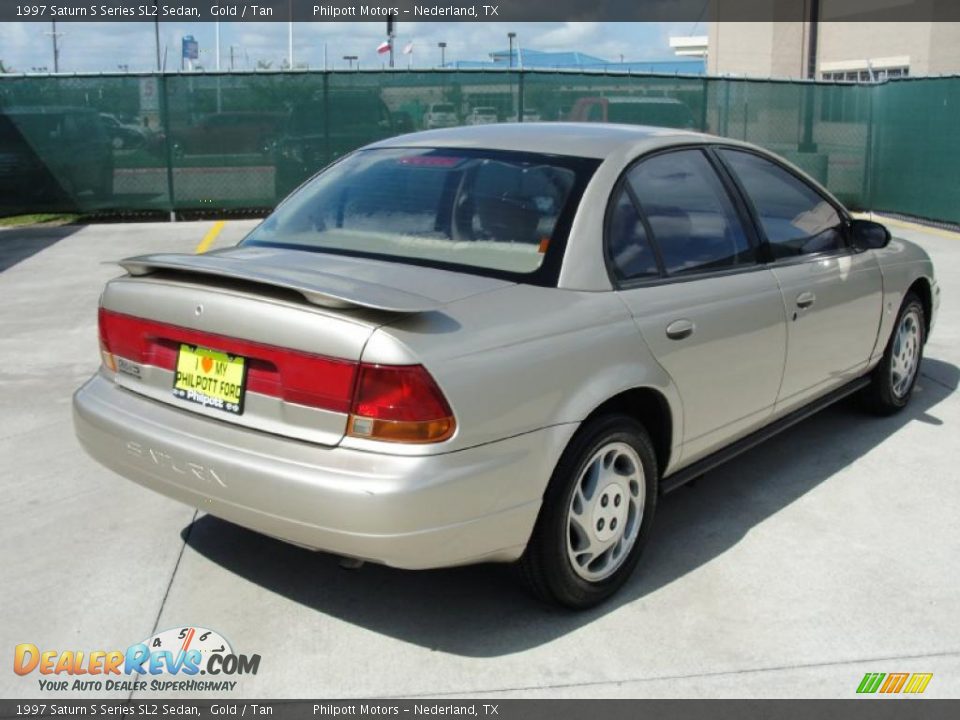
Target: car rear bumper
473	505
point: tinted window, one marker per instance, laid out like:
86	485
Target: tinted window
693	221
796	218
484	209
627	242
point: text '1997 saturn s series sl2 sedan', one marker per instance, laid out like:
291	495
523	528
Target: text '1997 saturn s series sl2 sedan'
501	343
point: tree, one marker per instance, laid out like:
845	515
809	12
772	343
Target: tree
4	68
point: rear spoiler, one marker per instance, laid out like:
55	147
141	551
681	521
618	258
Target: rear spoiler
318	287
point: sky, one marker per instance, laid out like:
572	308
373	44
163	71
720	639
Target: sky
109	46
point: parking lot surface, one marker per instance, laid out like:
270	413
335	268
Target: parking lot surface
826	553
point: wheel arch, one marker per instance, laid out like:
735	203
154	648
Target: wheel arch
650	408
921	286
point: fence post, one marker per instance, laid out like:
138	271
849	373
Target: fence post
703	105
520	95
326	118
866	190
167	140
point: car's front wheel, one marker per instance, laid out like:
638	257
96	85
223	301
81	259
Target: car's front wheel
896	374
596	515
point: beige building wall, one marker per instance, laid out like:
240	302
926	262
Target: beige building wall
757	49
778	49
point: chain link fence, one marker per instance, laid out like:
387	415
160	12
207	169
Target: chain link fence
187	142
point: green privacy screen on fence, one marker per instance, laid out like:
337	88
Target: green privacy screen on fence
204	141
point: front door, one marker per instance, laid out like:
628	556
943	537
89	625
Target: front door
832	296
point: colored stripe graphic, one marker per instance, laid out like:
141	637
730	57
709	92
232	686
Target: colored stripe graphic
870	682
894	682
918	683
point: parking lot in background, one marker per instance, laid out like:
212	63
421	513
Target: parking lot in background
826	553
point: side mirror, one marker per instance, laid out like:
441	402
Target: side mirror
868	235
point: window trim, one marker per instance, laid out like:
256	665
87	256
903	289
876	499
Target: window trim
741	210
766	246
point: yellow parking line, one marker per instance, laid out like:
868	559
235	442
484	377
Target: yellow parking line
210	237
950	235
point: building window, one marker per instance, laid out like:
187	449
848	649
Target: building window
865	74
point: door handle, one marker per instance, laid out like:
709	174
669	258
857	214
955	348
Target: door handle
806	299
680	329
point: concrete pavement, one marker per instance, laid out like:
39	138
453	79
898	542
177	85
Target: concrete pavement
824	554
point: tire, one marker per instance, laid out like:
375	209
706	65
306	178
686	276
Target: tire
587	506
896	375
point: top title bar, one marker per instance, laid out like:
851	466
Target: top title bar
487	11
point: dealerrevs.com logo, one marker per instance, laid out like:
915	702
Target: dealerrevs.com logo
170	661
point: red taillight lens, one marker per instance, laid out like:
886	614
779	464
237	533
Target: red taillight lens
292	375
395	403
399	403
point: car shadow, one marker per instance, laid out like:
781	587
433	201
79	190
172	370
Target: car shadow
18	244
481	611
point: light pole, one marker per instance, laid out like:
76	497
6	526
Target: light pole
350	59
511	36
443	53
156	33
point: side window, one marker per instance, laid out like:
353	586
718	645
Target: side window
627	243
694	223
796	219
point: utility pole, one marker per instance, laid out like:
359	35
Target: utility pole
56	47
390	34
156	34
290	38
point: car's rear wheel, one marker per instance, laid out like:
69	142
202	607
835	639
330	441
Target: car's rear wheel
894	378
596	515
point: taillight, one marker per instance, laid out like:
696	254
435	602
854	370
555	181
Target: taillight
393	403
291	375
105	354
399	403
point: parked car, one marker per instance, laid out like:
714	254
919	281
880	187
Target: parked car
314	134
529	115
440	115
124	136
482	116
53	158
660	111
501	344
228	133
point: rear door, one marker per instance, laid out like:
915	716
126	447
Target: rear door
686	265
832	296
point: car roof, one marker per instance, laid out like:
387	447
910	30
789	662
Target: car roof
593	140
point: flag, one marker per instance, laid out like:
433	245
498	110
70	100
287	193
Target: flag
408	49
383	47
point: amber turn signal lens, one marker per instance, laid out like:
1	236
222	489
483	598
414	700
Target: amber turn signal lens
426	431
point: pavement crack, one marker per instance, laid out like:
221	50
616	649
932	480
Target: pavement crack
166	594
687	676
941	383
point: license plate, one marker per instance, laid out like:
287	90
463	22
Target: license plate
210	378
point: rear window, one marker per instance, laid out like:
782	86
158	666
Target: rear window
491	212
443	108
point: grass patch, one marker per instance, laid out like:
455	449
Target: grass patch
46	219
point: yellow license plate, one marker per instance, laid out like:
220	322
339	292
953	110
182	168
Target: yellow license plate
210	378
